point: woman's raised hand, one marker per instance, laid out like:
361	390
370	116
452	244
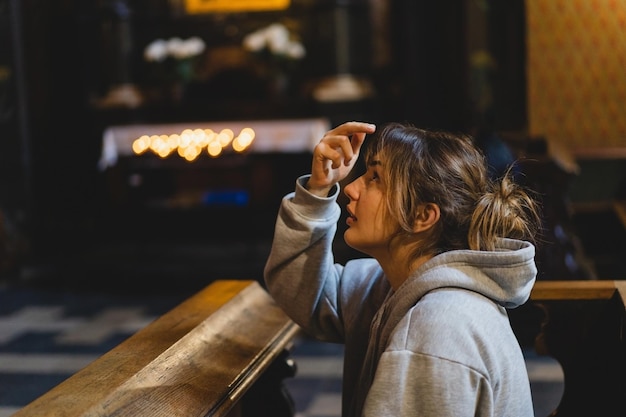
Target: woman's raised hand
335	155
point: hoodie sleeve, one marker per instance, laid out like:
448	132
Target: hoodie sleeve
300	272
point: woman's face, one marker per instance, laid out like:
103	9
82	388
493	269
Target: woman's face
369	228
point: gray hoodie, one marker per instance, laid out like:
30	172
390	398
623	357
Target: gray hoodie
440	345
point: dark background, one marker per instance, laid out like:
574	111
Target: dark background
63	56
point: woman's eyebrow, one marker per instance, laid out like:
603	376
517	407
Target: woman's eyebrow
374	162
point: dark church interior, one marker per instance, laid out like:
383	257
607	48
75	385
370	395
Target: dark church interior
87	223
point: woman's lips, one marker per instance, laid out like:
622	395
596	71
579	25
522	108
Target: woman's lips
351	218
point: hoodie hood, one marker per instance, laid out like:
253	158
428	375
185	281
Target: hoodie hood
506	276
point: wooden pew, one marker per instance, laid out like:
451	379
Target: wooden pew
582	326
222	352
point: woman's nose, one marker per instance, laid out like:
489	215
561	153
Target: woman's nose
351	191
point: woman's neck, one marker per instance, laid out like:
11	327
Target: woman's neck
398	266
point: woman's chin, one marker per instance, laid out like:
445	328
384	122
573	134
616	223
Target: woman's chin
347	239
350	241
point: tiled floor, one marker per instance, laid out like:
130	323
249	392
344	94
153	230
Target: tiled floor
47	335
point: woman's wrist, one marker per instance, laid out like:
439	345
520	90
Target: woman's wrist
320	191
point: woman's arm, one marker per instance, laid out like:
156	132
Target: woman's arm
300	272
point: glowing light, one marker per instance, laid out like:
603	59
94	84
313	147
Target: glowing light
141	144
225	137
191	153
190	143
244	139
214	149
173	141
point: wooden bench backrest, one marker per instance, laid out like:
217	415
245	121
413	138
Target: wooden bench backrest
583	328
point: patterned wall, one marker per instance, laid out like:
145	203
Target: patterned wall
576	71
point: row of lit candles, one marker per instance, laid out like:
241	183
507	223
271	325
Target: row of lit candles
190	144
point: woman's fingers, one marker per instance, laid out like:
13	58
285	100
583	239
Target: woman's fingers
348	137
336	153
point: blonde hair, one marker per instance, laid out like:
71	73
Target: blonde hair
422	166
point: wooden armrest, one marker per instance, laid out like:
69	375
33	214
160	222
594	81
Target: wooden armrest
577	290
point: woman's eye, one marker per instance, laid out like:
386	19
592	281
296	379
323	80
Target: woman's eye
374	176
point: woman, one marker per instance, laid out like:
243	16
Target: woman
423	318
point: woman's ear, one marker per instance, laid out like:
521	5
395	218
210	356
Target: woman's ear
427	216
